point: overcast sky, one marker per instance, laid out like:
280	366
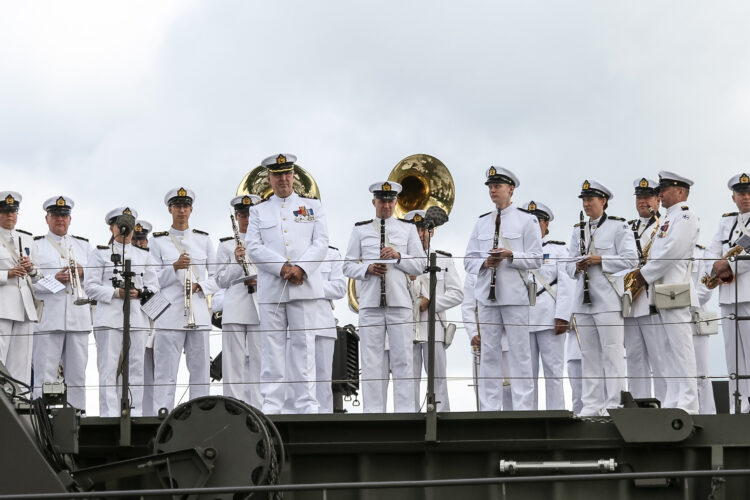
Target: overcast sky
115	104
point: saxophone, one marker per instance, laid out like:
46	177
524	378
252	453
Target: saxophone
631	282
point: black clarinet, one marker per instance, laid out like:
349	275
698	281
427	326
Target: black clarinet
586	294
495	239
382	278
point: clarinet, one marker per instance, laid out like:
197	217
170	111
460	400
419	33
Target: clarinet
243	262
495	239
382	278
586	294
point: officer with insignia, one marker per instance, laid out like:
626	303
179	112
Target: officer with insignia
62	334
607	246
643	348
105	285
287	239
381	254
505	244
732	227
448	294
181	254
18	270
669	263
240	330
549	317
140	239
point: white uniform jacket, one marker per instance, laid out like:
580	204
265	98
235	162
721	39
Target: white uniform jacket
364	249
724	239
448	293
334	287
614	241
542	315
16	296
643	233
292	230
98	284
521	231
202	262
469	312
60	312
238	306
673	249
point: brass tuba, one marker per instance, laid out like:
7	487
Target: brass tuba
426	182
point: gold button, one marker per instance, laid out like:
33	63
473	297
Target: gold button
282	205
287	244
283	218
285	230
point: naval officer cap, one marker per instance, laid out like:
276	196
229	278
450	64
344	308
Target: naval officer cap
113	214
740	183
59	205
645	187
500	175
416	217
667	179
244	202
279	163
385	190
539	209
10	201
595	189
179	196
141	230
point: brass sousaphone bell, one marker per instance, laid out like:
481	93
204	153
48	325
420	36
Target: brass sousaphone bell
426	182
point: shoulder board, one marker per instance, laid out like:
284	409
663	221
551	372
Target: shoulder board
488	213
80	238
577	224
140	248
700	246
631	221
160	233
24	232
198	231
333	248
38	237
404	220
556	242
612	217
262	201
102	247
684	207
447	254
729	214
226	238
306	197
362	222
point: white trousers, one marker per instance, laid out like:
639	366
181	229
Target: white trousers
576	384
168	347
374	324
551	349
728	329
108	360
514	322
644	350
602	361
441	382
292	316
507	386
240	362
72	350
324	372
16	343
149	409
706	403
678	359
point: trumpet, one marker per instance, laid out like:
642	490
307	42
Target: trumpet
188	289
75	280
415	290
712	281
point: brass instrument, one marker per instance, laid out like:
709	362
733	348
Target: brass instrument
711	281
425	182
631	282
415	290
75	280
244	261
188	293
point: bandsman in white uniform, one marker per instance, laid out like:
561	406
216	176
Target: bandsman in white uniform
18	270
287	239
505	244
608	248
180	251
140	239
549	317
643	347
104	283
62	334
240	322
385	306
669	263
732	227
702	330
448	294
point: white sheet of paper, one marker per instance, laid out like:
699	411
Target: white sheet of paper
51	284
155	306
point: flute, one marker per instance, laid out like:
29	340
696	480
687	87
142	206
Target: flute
586	294
383	302
495	239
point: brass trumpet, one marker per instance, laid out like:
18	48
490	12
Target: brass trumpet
188	292
75	280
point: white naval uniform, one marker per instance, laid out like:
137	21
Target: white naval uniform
449	293
17	310
240	328
287	230
545	343
575	372
62	334
395	320
509	313
600	324
171	335
108	324
643	347
668	262
724	239
701	344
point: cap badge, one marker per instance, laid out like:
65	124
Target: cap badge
491	172
139	228
127	211
532	205
417	218
744	179
9	200
643	183
60	202
386	186
586	185
280	160
181	192
246	200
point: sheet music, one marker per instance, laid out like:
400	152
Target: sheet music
155	306
51	284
